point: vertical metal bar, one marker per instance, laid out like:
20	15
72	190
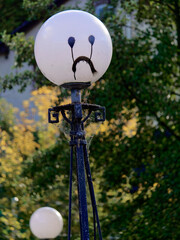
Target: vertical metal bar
75	95
83	213
70	193
91	189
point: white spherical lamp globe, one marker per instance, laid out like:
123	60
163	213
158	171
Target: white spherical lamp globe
46	223
73	47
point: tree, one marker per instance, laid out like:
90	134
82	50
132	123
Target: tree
137	173
21	138
143	77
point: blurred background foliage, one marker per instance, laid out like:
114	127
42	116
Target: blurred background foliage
134	155
11	14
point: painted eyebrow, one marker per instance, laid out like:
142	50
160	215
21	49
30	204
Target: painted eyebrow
71	41
91	39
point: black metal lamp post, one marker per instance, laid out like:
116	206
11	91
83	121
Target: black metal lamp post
73	49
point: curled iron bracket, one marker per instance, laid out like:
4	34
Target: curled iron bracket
52	113
100	112
100	116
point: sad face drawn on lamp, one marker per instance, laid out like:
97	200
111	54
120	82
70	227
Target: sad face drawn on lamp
71	42
73	47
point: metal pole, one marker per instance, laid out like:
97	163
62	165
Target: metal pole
78	135
78	146
70	192
75	95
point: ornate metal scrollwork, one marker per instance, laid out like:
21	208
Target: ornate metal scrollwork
52	113
100	112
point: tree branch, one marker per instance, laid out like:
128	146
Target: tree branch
168	5
136	28
174	93
161	123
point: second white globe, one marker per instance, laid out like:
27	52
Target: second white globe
46	223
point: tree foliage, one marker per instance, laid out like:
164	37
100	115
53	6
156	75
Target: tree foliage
143	77
135	154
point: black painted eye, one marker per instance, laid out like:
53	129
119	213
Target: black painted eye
71	41
91	39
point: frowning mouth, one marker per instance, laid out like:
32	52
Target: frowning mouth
71	42
86	59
